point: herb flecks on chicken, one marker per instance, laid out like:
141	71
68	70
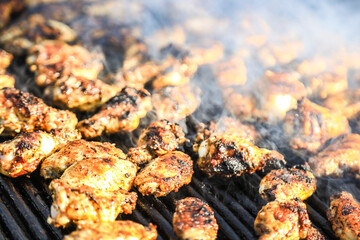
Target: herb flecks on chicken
229	155
94	189
165	174
126	230
122	113
287	184
157	139
24	153
23	112
75	151
344	215
194	219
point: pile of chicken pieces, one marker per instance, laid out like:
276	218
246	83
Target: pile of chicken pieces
93	181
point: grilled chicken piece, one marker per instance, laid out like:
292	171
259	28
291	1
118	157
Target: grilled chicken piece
124	230
240	103
121	113
287	184
193	219
229	155
93	189
279	93
6	80
5	60
344	215
157	139
32	29
310	125
231	72
347	102
54	165
178	66
78	93
23	154
8	7
176	102
23	112
283	220
340	157
52	59
165	174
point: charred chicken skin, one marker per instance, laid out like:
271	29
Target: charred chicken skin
193	219
340	157
23	154
310	125
54	165
94	189
165	174
23	112
121	113
124	230
344	215
175	102
157	139
287	184
229	155
283	220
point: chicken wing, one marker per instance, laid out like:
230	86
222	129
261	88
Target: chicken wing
54	165
344	215
287	184
121	113
52	59
23	112
23	154
164	174
124	230
310	125
176	102
229	155
340	157
94	189
193	219
283	220
347	102
157	139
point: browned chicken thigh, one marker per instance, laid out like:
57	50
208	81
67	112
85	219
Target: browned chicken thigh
193	219
157	139
23	112
94	189
121	113
23	154
54	165
229	155
344	215
165	174
310	125
122	230
340	157
287	184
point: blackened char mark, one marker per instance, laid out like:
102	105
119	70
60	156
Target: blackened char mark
127	96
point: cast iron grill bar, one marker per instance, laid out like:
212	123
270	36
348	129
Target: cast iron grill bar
321	223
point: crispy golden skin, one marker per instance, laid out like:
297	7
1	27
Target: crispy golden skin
52	59
165	174
287	184
121	113
229	155
93	189
6	80
310	125
194	219
340	157
347	102
283	220
344	215
54	165
23	112
79	93
176	102
124	230
5	60
157	139
23	154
